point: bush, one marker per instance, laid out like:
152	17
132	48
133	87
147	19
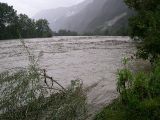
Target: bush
24	96
143	95
124	81
154	82
144	27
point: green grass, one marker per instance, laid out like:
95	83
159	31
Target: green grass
146	110
114	111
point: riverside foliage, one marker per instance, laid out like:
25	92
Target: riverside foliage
139	96
145	27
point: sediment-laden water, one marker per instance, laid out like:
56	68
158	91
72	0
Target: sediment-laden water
94	60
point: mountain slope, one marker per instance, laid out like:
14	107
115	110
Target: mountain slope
57	17
88	16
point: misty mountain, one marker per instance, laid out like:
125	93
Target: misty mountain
88	16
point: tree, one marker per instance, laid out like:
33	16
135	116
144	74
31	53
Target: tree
26	26
8	16
145	27
42	28
66	33
12	26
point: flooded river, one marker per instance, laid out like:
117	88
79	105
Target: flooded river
94	60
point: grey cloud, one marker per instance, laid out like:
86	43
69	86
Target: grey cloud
31	7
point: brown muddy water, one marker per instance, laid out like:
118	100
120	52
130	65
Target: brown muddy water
94	60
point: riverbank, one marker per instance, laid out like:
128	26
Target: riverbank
139	97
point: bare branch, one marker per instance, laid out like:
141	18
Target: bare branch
52	80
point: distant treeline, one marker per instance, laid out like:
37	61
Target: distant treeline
13	26
64	32
123	31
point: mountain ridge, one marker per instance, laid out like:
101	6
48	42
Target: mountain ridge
88	16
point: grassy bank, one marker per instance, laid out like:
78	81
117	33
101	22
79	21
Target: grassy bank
147	110
139	96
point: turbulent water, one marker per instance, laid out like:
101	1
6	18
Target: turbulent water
94	60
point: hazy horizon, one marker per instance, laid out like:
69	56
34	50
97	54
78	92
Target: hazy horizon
31	7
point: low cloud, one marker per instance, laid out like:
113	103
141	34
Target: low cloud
31	7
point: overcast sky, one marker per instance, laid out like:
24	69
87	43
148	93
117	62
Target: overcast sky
31	7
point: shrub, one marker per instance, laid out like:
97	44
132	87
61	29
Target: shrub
142	97
144	27
124	81
154	82
24	96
